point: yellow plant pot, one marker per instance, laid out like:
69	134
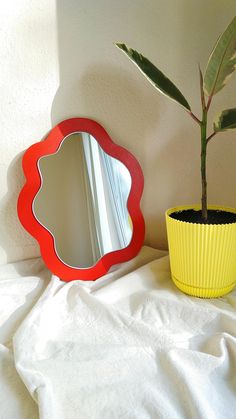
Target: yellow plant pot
202	256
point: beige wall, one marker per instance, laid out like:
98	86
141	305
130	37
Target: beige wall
60	62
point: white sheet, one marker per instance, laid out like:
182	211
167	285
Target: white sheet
127	346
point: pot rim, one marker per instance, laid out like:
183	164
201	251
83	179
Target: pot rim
197	207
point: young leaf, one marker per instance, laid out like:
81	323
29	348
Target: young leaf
226	120
155	76
201	87
222	61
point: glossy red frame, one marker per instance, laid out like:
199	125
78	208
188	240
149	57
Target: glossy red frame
45	239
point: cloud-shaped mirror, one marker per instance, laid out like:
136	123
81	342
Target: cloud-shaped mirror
81	200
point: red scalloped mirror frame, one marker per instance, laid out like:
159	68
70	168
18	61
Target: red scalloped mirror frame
45	239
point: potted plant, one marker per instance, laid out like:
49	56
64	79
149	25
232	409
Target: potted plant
201	238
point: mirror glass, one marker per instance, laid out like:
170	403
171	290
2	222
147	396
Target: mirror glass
83	201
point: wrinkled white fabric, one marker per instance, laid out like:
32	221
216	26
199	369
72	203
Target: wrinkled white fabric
127	346
21	285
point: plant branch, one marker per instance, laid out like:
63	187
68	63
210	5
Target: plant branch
210	136
195	118
209	102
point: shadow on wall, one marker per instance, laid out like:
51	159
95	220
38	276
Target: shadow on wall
12	233
107	95
93	86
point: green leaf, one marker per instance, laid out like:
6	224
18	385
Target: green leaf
155	76
222	61
226	120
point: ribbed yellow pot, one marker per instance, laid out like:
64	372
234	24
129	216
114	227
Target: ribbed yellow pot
202	256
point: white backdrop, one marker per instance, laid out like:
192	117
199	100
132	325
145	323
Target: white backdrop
58	60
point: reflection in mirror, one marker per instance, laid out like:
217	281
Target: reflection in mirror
83	201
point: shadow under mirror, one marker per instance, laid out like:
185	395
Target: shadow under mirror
82	201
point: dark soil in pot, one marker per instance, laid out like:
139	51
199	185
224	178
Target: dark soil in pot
195	216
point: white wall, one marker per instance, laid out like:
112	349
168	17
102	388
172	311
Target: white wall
59	61
29	80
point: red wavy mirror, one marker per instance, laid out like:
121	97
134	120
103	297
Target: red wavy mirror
81	200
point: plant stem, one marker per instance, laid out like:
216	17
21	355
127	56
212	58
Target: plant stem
209	102
203	162
211	136
195	118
